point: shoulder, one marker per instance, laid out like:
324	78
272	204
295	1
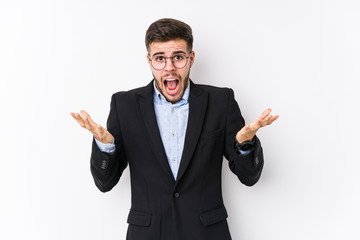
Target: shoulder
131	94
215	91
212	89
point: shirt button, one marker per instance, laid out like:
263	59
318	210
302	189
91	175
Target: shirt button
173	134
177	195
172	110
174	159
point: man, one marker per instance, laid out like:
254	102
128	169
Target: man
173	134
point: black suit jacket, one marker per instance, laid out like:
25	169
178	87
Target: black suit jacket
190	207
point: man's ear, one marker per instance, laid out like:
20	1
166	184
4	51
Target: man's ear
192	58
148	58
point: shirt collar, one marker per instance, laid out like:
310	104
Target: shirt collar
159	98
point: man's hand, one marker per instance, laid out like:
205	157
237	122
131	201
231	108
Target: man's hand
100	133
248	132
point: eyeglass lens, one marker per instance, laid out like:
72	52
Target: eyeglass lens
159	62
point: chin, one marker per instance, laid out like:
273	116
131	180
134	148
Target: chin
173	99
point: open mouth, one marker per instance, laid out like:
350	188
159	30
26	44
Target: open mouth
171	86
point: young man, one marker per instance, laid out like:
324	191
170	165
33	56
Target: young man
173	134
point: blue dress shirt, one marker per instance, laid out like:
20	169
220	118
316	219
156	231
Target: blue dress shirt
172	121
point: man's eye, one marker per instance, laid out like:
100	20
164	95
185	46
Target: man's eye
159	58
178	57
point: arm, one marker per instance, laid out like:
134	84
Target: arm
248	166
106	168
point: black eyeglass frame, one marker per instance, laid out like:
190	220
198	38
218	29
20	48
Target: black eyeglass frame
187	58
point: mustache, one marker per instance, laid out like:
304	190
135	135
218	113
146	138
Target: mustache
171	75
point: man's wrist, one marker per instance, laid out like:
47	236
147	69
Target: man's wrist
105	147
245	145
241	139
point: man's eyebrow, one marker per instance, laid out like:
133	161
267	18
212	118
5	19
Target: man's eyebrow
159	53
162	53
179	52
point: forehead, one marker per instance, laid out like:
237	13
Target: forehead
168	47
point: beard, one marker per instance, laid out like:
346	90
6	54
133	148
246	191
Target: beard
184	83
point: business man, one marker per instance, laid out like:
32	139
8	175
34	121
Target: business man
174	133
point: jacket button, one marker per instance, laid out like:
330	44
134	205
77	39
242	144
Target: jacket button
177	195
104	164
256	161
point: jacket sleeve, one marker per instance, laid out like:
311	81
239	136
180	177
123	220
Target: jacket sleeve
247	167
107	168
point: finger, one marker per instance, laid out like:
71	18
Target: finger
265	114
268	117
78	118
73	115
266	121
83	120
255	125
269	120
273	119
85	115
87	119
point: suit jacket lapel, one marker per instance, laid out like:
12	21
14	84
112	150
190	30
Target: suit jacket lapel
197	109
146	107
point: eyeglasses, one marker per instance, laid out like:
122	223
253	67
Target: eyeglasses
179	61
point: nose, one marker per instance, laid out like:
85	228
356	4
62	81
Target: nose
169	65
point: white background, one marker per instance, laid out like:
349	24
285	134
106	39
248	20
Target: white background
301	58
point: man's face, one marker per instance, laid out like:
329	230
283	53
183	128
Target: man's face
171	81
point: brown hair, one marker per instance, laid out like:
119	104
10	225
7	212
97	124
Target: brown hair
167	29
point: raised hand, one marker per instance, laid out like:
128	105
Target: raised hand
248	132
85	121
